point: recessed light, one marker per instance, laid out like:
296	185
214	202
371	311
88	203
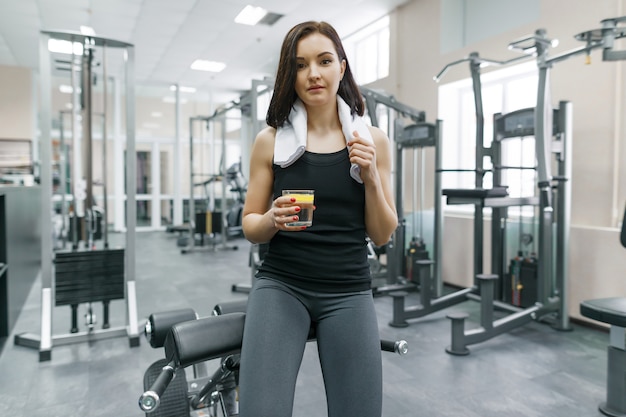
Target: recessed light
250	15
204	65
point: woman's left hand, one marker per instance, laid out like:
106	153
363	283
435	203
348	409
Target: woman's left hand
363	153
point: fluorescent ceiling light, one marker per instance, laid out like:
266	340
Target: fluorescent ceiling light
156	114
250	15
204	65
64	47
183	89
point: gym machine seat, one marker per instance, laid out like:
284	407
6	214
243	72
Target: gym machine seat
612	311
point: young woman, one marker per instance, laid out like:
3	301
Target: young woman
315	276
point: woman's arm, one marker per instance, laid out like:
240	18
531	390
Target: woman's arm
258	226
374	159
262	217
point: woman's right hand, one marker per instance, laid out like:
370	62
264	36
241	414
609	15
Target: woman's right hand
285	210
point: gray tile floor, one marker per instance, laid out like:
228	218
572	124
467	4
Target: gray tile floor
532	371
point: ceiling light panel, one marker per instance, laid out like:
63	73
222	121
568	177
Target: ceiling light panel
250	15
204	65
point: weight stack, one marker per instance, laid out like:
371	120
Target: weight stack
520	285
89	276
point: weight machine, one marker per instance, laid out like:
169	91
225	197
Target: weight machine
554	189
396	274
90	275
234	175
209	222
428	273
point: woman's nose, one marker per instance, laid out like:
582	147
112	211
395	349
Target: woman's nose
313	72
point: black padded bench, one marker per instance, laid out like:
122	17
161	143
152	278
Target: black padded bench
612	311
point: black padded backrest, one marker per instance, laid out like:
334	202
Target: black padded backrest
622	236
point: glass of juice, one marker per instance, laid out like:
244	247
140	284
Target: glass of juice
304	199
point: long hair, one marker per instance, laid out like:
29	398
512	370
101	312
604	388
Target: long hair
284	86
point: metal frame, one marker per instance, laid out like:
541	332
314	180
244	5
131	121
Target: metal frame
430	278
552	289
248	99
46	340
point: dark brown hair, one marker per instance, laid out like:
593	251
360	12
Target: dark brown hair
284	88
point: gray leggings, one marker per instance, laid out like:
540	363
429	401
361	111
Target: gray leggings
277	324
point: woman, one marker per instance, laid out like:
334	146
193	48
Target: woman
315	276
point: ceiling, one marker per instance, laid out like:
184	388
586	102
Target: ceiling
169	35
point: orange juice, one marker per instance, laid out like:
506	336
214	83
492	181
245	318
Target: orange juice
304	199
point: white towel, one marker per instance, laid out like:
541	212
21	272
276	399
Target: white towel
290	141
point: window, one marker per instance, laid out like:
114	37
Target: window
503	91
368	51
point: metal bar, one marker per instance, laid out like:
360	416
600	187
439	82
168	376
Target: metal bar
438	228
45	127
192	204
131	197
105	204
564	214
86	77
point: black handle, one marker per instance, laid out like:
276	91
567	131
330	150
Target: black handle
401	347
150	400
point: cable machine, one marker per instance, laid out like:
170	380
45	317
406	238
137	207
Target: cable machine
208	222
428	273
396	274
552	130
233	175
92	274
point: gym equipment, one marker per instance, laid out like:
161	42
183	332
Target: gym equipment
554	191
428	274
395	275
208	222
613	312
549	297
248	106
190	342
89	275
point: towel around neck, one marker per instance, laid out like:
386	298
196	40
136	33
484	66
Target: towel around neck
290	142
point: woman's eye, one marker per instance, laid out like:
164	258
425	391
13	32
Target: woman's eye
326	61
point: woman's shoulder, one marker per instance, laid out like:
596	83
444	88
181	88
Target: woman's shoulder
266	136
263	147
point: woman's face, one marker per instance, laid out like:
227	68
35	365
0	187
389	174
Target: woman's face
319	70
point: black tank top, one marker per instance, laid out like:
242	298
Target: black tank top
331	255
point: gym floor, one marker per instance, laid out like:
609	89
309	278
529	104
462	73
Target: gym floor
532	371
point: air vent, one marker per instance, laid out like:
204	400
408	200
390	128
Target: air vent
270	18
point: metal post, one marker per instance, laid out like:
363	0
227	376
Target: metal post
438	228
564	214
105	202
45	344
131	196
87	137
